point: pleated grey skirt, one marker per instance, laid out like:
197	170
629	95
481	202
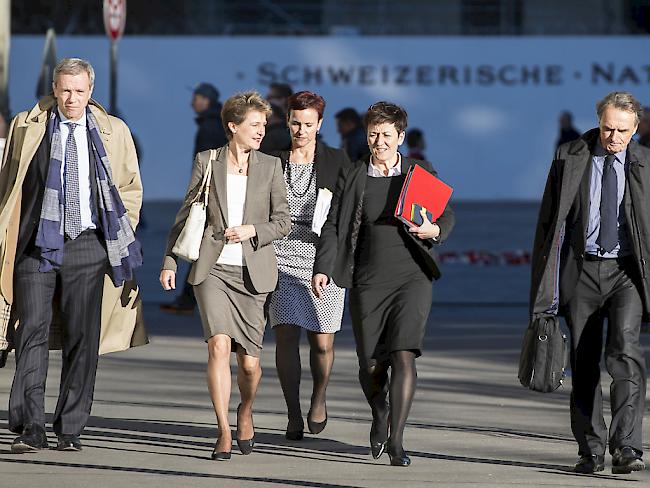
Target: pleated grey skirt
229	305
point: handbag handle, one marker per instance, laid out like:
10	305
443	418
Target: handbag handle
205	183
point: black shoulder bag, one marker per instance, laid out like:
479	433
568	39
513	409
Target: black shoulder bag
543	354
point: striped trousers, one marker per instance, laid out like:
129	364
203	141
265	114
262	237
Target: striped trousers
77	289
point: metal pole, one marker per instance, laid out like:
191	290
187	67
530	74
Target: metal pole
113	81
5	36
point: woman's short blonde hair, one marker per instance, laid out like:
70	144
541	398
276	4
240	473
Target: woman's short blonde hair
237	107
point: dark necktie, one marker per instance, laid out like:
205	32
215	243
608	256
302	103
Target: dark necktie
608	237
71	177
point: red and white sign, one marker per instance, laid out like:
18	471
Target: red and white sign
114	18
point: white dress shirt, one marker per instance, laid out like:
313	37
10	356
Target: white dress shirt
83	155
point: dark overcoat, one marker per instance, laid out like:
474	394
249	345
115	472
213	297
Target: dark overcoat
560	236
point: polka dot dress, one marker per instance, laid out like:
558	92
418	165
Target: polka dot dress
293	302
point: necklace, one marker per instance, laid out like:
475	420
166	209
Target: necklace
233	160
290	181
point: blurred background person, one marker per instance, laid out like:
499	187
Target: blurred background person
277	136
236	269
643	131
568	133
416	144
389	270
210	134
279	94
353	137
310	165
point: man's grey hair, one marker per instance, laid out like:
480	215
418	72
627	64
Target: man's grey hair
622	101
73	66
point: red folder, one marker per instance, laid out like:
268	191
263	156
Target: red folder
423	189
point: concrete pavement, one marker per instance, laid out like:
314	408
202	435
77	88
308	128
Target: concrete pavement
471	422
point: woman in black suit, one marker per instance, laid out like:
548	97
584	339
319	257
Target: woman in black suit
310	167
389	269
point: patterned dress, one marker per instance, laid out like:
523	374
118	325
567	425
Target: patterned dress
293	301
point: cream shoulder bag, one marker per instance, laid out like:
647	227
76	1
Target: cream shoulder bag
189	241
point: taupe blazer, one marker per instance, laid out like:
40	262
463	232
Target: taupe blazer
265	207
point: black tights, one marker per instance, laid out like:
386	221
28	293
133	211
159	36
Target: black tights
400	389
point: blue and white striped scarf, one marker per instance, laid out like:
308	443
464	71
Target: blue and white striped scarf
124	250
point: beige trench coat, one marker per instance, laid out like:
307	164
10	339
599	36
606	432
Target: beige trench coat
122	324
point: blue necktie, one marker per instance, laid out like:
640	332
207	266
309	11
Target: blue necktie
608	237
71	177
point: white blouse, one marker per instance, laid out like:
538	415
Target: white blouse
236	190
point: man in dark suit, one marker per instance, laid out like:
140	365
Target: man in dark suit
71	195
589	263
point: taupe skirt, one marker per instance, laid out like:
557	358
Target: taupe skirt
229	304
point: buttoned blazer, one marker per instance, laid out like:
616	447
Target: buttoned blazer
265	208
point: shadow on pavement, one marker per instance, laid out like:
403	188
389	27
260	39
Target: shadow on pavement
163	472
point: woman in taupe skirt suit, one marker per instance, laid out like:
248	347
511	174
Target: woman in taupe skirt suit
236	269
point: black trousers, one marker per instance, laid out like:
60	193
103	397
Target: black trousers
78	283
607	289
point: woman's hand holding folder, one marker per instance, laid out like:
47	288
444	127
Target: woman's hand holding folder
426	230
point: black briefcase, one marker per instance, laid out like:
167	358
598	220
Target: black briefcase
543	357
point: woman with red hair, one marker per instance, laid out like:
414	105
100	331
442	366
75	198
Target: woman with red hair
310	166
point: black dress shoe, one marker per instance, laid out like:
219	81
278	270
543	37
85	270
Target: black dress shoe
398	457
68	443
316	427
590	463
32	439
625	460
245	445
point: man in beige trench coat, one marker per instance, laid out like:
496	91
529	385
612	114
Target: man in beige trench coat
70	196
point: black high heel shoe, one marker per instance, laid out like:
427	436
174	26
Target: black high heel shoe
398	457
377	448
219	455
379	439
316	427
295	435
245	445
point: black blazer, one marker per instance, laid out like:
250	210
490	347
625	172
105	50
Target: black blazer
34	189
328	161
336	249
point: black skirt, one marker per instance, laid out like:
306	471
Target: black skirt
391	297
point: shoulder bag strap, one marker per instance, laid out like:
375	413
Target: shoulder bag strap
205	182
